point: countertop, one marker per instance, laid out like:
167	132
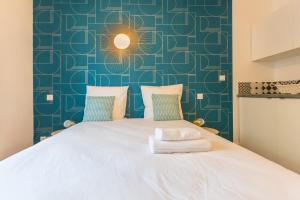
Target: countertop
281	96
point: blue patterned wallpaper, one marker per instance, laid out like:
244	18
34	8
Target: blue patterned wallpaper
180	41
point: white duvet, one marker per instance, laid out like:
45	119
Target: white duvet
111	160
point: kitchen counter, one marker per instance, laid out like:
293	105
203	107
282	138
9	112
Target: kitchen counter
281	96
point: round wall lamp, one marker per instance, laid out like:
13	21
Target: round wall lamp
121	41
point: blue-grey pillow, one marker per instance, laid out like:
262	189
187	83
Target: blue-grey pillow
165	107
98	108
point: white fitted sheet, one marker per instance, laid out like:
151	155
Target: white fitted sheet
111	160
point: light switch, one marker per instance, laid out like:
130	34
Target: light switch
49	97
222	77
199	96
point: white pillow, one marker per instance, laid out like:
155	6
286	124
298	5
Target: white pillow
147	92
120	94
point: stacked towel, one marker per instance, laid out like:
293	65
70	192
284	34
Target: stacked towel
158	146
181	140
173	134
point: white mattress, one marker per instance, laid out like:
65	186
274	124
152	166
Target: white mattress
111	160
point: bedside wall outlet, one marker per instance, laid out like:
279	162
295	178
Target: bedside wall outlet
222	77
49	97
199	95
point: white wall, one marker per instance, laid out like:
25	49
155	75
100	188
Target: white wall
287	69
245	14
16	102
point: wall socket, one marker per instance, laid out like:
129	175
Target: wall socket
222	77
199	95
49	97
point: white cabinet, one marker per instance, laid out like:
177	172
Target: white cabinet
288	133
271	128
257	126
296	25
278	34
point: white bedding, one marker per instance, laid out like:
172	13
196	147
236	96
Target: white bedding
111	160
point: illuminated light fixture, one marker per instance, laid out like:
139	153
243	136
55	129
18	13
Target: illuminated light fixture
122	41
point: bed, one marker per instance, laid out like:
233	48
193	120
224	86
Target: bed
111	160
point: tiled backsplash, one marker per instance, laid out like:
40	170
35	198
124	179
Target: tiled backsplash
248	88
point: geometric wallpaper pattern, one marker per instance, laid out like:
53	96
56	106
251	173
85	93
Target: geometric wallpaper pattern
180	41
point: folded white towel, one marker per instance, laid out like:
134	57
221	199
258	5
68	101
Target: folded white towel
158	146
168	134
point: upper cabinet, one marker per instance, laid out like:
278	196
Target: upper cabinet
277	35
